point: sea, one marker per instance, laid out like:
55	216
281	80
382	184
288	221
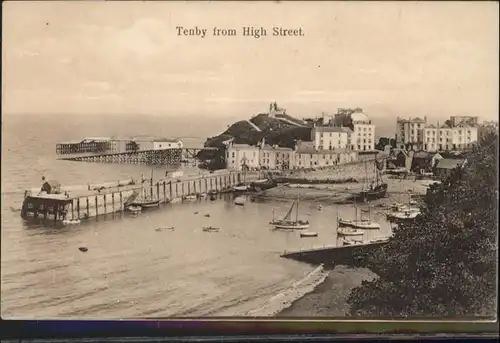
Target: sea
132	270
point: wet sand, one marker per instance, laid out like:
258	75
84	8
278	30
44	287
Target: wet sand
329	299
398	191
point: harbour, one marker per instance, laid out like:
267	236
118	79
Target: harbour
167	249
151	175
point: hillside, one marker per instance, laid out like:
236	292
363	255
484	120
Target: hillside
282	130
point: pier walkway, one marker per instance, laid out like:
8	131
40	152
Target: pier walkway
85	201
349	255
157	156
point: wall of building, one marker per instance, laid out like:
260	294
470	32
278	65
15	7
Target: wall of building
238	155
456	138
358	170
325	139
409	131
363	137
158	145
322	159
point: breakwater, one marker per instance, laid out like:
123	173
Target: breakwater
85	202
348	255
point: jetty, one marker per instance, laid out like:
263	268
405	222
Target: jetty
333	255
152	156
53	201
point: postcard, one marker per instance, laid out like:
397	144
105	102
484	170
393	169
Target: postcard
249	160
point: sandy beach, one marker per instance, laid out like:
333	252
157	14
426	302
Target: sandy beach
399	190
329	299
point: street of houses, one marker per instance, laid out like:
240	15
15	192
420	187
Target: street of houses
349	136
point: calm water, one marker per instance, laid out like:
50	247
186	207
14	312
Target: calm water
130	269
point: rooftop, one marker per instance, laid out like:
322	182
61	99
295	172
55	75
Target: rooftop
359	116
450	163
332	129
307	150
276	148
168	140
411	120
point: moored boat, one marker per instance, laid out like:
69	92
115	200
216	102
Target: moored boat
211	229
191	197
309	234
144	201
239	201
407	215
378	188
366	224
134	208
241	188
287	223
71	221
360	224
349	232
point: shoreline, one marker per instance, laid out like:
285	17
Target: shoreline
328	298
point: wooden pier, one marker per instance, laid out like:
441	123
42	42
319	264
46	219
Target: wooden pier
161	157
84	204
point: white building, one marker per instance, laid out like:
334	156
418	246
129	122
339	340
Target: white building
446	138
307	156
410	131
240	155
363	131
430	138
331	137
165	143
274	157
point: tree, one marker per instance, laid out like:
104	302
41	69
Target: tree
444	263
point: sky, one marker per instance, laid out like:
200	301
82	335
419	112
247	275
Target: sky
121	58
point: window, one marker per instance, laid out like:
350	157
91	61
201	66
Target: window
233	154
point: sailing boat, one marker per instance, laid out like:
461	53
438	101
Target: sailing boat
403	213
361	223
288	223
144	201
377	189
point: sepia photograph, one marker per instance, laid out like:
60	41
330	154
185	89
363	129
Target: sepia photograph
285	160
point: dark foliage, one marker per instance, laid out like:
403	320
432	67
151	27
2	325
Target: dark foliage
273	130
383	141
444	263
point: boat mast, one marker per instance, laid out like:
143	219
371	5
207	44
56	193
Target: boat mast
151	184
297	209
366	178
142	185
